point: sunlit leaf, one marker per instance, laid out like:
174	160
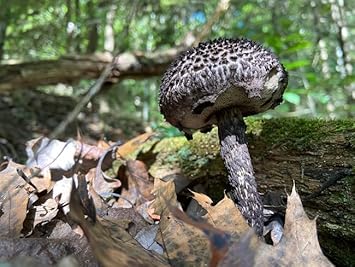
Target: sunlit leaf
292	98
296	64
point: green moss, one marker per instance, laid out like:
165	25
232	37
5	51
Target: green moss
170	144
200	156
192	157
295	133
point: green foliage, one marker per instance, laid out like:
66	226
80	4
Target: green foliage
305	35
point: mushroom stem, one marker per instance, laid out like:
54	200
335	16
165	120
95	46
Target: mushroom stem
235	154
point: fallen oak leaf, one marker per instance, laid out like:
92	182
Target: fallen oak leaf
298	247
219	240
223	215
184	245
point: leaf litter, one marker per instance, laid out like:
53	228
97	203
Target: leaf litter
75	204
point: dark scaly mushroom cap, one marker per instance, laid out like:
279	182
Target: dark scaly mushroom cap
220	74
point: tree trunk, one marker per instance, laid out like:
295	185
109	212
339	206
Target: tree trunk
318	155
109	40
70	28
93	35
77	19
339	18
4	15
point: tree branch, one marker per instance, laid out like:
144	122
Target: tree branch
72	69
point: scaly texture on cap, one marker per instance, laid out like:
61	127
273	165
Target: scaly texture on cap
220	74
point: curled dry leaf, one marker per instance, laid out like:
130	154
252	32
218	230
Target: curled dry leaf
131	146
102	183
46	153
61	191
111	248
105	185
14	193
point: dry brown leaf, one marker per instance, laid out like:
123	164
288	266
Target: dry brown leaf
164	193
139	175
183	244
137	186
103	184
14	194
130	146
45	212
107	242
298	247
202	199
224	215
43	182
40	214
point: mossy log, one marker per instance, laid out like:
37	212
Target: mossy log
318	155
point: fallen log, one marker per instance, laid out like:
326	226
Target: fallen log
73	68
318	155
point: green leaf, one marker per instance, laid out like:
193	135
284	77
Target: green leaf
296	64
292	98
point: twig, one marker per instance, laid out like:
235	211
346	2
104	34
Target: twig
93	90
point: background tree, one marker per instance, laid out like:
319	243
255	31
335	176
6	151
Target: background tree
314	39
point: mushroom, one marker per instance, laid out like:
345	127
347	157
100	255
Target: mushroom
218	83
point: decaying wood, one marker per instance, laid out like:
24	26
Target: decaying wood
72	69
318	155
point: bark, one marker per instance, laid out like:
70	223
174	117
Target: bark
93	34
109	42
4	15
69	27
3	26
317	155
77	19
